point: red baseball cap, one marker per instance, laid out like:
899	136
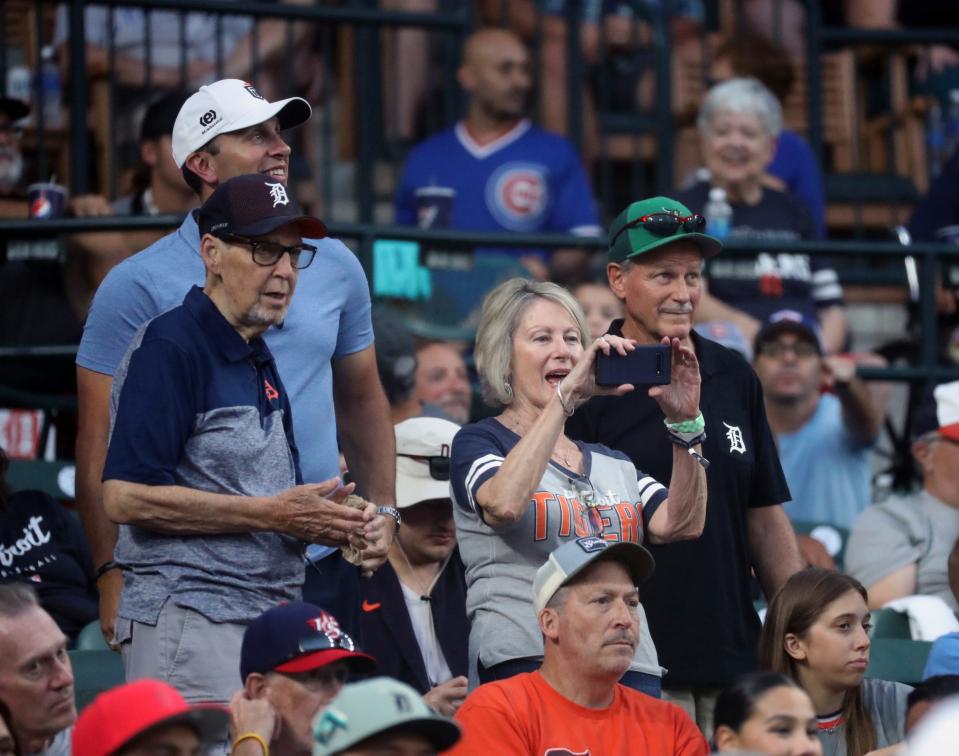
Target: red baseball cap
122	714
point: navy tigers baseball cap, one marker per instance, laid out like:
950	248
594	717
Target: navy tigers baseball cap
298	637
253	205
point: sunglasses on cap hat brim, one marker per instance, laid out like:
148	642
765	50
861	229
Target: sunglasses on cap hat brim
665	224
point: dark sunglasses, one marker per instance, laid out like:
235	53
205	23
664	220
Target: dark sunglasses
439	466
779	348
321	641
268	253
666	224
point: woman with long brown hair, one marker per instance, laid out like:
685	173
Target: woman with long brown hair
817	632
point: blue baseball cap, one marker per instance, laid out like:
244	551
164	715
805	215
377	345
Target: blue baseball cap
253	205
298	637
789	321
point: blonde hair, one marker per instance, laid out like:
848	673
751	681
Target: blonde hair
502	310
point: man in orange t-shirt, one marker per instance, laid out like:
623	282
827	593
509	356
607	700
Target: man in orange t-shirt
586	599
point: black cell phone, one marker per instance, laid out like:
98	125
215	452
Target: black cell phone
646	365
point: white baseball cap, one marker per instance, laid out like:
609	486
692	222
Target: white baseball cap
229	105
422	460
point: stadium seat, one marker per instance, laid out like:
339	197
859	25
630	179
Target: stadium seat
91	639
888	623
898	659
93	673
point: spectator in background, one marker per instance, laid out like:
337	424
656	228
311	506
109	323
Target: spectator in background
158	189
36	679
41	542
443	381
146	717
901	547
381	716
13	191
794	167
944	655
817	632
739	122
586	598
324	349
396	363
826	421
521	487
294	660
656	255
764	712
414	607
927	694
600	306
507	174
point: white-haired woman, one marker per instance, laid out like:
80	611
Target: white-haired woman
739	123
521	487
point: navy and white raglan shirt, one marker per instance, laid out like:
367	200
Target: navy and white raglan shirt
771	280
527	180
502	561
197	406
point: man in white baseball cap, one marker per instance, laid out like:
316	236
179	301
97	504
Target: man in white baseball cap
414	608
324	349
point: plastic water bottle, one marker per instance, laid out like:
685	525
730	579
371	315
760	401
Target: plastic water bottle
50	90
935	138
18	85
952	124
719	213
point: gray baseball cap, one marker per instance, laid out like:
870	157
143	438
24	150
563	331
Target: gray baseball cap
570	559
372	707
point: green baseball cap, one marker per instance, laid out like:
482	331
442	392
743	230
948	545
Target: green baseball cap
371	707
627	241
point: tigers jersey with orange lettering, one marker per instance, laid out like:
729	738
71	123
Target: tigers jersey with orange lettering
612	497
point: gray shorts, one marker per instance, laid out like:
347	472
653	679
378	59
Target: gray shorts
198	657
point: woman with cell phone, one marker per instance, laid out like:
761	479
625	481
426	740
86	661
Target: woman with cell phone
521	487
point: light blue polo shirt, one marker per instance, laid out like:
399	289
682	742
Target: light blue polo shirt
329	317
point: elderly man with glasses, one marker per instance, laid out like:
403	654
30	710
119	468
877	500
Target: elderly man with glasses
414	607
202	472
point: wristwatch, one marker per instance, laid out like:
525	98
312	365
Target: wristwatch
392	512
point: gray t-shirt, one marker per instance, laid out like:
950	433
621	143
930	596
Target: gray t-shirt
885	702
917	529
501	562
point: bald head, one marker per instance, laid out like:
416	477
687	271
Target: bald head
496	75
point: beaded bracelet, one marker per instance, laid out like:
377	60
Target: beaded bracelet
696	425
251	736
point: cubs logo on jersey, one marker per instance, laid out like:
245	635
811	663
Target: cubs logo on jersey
517	195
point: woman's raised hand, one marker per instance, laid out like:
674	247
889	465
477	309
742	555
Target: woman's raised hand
580	384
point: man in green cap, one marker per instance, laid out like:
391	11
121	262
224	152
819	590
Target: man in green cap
656	253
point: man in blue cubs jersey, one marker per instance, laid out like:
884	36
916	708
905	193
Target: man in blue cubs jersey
507	174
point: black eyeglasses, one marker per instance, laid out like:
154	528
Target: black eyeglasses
439	466
268	253
666	224
779	348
